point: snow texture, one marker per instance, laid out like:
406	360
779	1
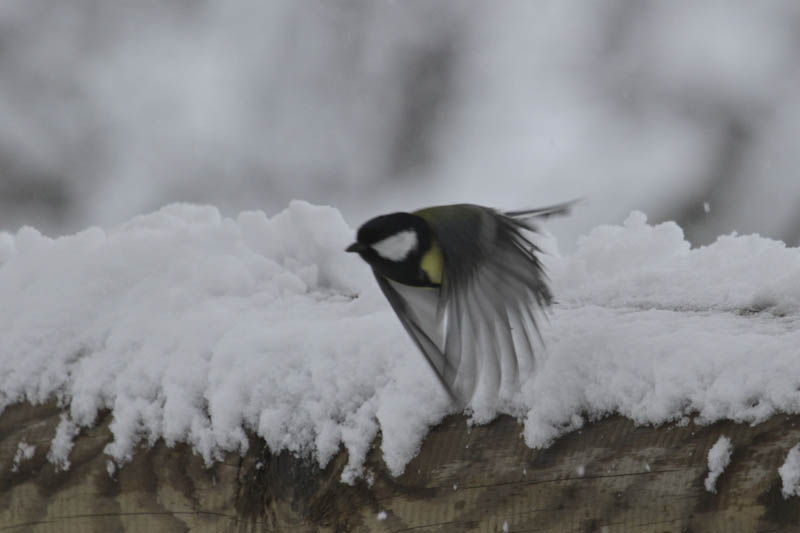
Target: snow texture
192	327
790	473
719	457
66	431
24	452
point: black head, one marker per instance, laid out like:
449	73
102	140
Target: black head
394	245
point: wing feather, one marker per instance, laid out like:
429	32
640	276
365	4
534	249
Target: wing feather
544	212
426	341
492	285
459	348
501	329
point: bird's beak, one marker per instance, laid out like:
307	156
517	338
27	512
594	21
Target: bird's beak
356	247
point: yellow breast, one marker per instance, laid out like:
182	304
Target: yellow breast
433	263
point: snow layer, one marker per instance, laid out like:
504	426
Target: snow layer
719	457
790	473
197	328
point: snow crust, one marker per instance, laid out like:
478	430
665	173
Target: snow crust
192	327
719	457
790	473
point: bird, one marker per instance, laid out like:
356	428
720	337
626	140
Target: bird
467	284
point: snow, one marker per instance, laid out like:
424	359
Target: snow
24	452
719	457
193	327
66	431
790	473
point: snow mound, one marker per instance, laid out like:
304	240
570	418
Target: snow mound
719	457
192	327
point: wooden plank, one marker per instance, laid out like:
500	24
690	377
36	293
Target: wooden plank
611	476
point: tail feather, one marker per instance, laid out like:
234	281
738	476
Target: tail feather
543	212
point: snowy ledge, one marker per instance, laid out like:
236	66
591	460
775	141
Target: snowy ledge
194	328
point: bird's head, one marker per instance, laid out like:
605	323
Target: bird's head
393	245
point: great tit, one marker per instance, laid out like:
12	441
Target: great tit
466	283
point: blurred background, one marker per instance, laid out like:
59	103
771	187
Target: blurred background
687	110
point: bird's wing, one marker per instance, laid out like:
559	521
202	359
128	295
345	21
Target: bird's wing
492	290
418	311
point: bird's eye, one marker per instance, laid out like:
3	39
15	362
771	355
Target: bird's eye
398	246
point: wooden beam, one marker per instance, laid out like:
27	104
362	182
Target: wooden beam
610	476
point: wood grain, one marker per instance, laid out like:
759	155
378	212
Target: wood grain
611	476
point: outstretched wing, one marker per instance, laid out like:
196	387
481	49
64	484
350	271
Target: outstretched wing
492	291
418	311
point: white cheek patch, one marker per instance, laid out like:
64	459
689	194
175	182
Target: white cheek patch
398	246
